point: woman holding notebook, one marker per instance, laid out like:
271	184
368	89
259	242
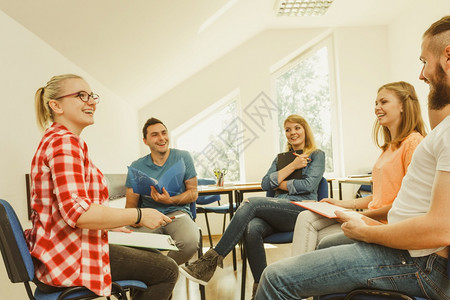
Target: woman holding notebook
398	129
69	200
258	217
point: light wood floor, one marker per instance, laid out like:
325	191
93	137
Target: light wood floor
226	283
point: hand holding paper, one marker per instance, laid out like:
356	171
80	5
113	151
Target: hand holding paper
354	224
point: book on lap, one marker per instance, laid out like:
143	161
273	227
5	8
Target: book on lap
171	180
327	210
285	158
322	208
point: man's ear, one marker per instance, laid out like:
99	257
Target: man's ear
55	106
447	56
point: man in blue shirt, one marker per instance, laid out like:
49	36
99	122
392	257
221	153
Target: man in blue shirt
182	229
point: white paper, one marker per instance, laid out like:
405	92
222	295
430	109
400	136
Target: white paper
323	208
142	239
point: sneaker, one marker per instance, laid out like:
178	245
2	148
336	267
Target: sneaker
203	269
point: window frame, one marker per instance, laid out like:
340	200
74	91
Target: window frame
336	121
217	106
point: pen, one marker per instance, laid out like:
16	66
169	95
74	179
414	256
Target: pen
176	217
308	159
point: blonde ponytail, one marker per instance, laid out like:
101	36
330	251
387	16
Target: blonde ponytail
44	114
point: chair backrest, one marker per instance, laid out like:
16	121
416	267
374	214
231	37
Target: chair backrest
12	241
210	198
322	189
193	208
286	237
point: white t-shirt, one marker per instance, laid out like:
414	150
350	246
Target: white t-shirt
414	197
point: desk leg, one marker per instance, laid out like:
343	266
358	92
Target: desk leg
230	201
244	272
340	191
331	188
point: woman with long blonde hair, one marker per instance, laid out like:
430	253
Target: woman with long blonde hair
398	129
258	217
69	200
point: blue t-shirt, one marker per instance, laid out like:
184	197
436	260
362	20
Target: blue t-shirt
146	165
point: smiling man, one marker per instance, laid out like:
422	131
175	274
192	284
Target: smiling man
161	158
410	253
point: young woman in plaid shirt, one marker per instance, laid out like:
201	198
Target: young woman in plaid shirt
68	239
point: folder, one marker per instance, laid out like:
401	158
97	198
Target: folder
172	180
327	210
142	240
322	208
286	158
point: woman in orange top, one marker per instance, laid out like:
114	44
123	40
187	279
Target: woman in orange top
398	130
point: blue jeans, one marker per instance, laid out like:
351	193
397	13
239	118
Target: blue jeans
359	265
255	219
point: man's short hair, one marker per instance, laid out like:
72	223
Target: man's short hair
151	121
439	34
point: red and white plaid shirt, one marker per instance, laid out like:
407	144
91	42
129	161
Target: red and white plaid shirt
64	184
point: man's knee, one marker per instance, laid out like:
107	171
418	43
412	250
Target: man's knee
270	274
190	245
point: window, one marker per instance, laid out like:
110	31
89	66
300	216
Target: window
210	139
304	87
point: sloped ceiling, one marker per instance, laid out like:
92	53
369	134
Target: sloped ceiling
140	49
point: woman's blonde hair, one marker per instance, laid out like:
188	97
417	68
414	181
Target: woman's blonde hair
44	114
310	143
411	117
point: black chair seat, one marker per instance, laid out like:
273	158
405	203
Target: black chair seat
221	209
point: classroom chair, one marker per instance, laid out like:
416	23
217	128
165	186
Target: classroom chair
203	201
20	268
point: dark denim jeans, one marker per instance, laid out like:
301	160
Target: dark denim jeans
158	271
257	218
358	265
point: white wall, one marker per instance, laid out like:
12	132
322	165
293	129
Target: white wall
27	63
405	38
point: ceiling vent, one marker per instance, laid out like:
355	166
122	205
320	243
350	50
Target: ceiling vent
295	8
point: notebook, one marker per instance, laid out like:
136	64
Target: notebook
327	210
286	158
142	240
171	180
322	208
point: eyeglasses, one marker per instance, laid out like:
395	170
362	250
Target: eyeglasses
84	96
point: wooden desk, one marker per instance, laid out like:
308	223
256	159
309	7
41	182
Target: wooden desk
237	190
353	180
204	190
242	188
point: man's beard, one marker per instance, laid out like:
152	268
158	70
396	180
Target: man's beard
439	95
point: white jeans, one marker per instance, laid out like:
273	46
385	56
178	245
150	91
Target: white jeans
310	228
